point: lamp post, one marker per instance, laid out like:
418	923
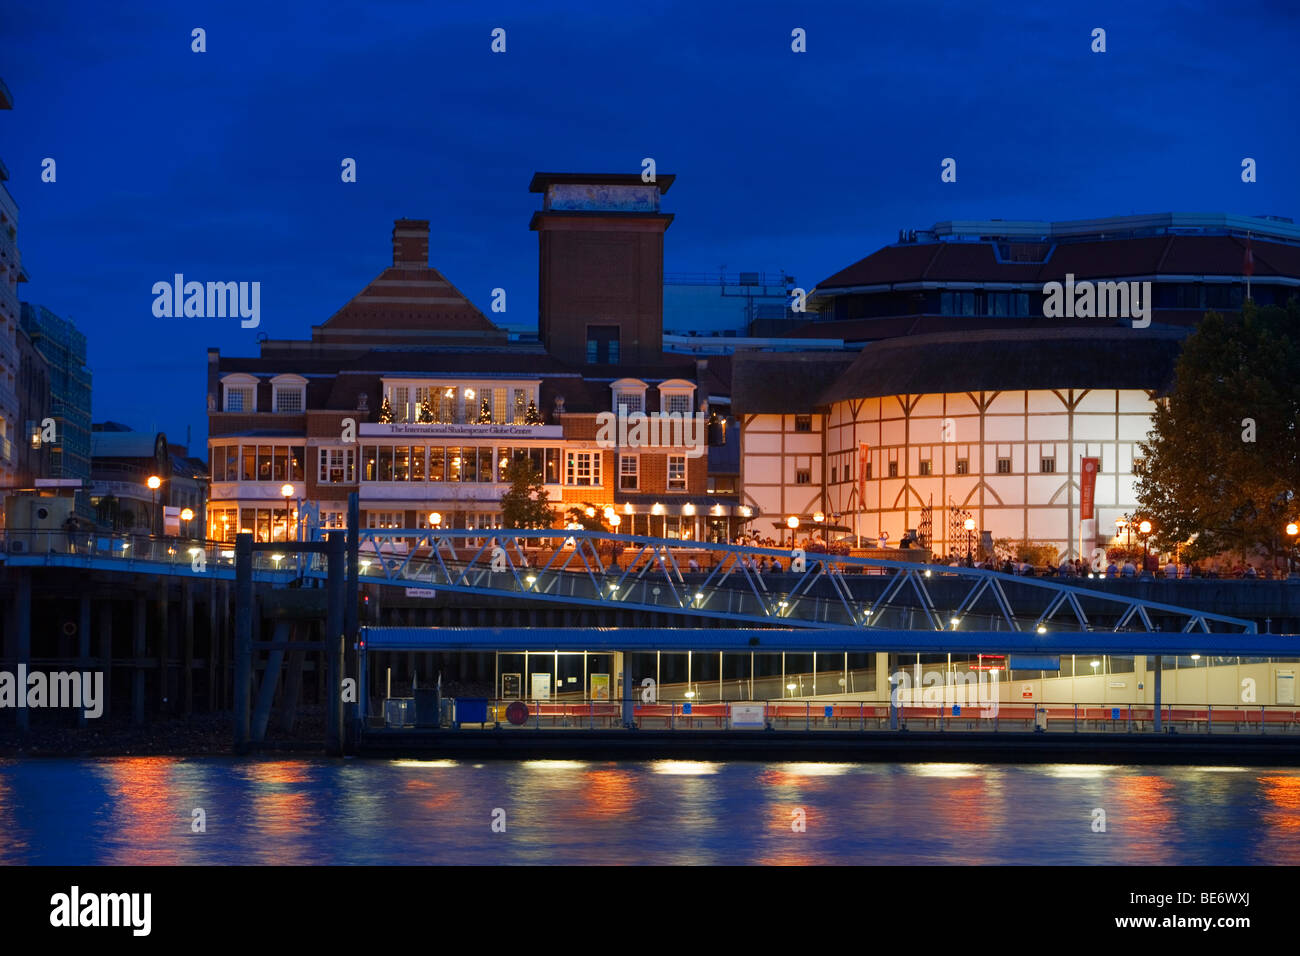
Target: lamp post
154	483
1120	525
187	515
435	519
793	524
287	491
1292	529
1145	529
969	525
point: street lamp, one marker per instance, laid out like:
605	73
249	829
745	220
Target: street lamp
1145	529
969	525
287	491
793	524
1292	529
154	483
435	519
187	515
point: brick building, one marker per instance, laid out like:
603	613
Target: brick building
413	398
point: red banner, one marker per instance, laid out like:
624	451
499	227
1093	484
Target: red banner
864	456
1088	488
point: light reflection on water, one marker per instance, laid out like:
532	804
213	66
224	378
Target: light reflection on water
138	810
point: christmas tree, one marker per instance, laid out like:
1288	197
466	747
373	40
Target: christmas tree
484	413
425	415
532	416
386	413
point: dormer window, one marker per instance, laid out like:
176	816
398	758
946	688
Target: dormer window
629	395
239	393
289	394
677	397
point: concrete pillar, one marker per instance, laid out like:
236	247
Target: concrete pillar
106	651
23	628
83	645
139	624
243	639
335	619
164	641
214	643
187	647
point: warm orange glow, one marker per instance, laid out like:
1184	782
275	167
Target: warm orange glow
1145	527
154	482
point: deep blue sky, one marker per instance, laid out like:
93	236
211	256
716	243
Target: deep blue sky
225	165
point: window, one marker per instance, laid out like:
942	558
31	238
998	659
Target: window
602	344
582	468
835	471
1047	465
893	469
288	393
868	475
1004	466
963	466
803	423
676	472
627	472
338	466
803	476
239	399
385	519
678	404
629	402
925	466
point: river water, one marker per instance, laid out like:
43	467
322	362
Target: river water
141	810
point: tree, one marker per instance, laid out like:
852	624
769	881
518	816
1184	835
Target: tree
425	415
590	516
1221	466
526	504
386	413
484	412
532	416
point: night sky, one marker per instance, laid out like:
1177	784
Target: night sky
225	165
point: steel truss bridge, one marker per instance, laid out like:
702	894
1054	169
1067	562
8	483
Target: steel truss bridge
722	582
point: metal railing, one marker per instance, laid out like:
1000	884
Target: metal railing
875	715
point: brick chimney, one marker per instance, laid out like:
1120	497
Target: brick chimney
411	244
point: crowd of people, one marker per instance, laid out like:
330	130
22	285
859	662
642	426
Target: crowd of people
1078	568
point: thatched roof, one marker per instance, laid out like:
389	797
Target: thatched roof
783	382
1006	359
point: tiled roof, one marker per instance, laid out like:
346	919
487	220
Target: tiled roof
410	298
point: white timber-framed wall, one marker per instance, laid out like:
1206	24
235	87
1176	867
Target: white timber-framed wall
977	428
